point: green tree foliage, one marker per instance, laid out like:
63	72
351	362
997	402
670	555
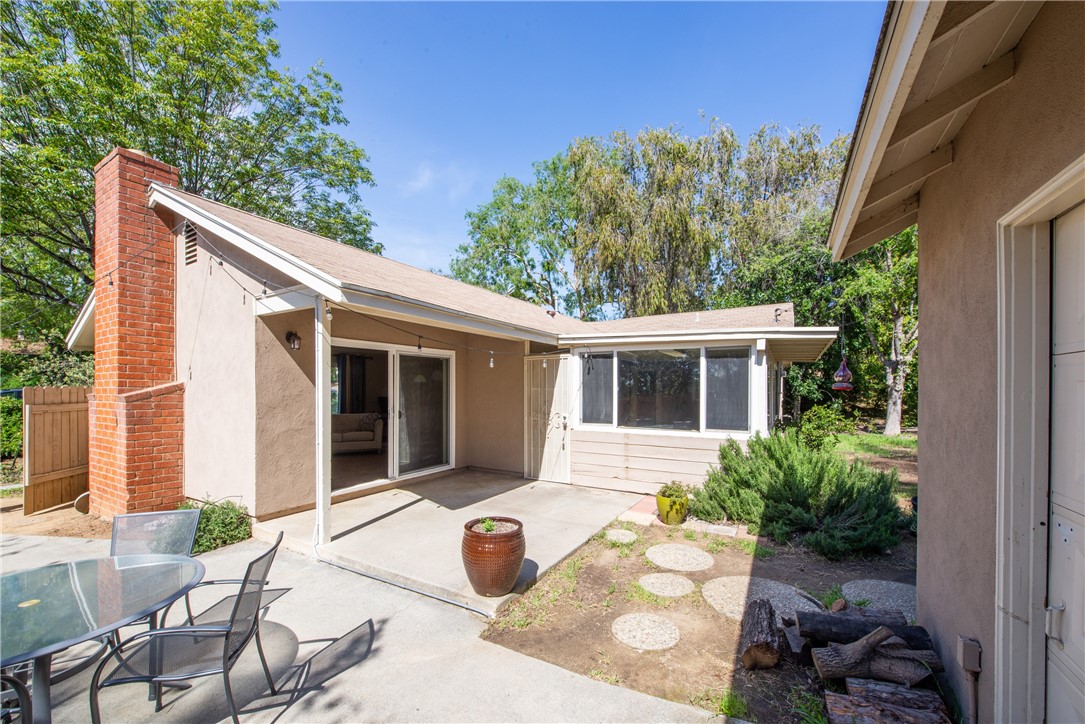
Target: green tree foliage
190	82
780	487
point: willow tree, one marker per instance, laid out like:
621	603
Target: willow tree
189	82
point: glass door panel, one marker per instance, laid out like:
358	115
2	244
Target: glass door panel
423	412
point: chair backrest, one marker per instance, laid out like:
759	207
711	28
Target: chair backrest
170	532
249	599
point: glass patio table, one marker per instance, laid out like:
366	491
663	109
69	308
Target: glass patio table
46	610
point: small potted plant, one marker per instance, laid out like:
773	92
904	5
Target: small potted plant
493	552
672	500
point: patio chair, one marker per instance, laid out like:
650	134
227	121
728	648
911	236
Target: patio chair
15	700
168	655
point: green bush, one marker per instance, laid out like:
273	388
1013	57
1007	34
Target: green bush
221	524
821	424
11	427
786	490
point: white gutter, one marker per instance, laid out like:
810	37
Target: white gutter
320	282
911	28
76	340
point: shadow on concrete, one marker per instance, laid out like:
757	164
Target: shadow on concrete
462	490
375	519
529	575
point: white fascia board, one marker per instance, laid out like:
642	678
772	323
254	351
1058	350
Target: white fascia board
290	300
413	310
613	338
81	336
912	27
306	274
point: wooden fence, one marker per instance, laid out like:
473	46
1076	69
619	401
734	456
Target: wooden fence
55	447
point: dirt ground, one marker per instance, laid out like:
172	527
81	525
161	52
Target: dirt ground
63	520
566	619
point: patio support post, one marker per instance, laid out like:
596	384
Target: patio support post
322	349
759	380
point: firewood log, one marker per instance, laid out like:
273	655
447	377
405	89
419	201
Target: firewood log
760	642
844	629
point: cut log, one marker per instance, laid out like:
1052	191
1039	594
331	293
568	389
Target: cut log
884	616
898	695
844	629
838	605
868	658
760	642
798	646
860	710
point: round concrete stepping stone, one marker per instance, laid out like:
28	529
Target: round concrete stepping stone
620	535
730	595
883	594
668	585
645	631
679	557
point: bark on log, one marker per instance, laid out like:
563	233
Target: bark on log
760	642
884	616
798	646
844	629
860	710
869	658
898	695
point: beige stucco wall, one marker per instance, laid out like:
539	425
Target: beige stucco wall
494	405
1017	139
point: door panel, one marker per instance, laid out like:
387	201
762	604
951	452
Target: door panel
548	410
1065	623
423	415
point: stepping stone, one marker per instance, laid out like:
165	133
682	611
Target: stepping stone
679	557
620	535
729	595
668	585
645	631
883	594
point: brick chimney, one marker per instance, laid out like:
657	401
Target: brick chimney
136	411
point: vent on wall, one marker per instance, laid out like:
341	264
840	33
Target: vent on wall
190	243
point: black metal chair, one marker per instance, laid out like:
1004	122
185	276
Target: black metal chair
168	655
15	700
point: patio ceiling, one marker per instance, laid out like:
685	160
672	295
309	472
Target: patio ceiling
934	64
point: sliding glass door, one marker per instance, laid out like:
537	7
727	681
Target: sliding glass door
423	412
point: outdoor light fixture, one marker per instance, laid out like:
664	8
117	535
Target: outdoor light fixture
293	340
328	312
491	360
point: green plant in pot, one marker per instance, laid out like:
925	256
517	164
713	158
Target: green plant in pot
672	500
493	551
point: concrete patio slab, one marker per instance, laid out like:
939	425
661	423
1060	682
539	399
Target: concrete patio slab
346	648
410	536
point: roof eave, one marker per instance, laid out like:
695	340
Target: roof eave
634	337
906	33
81	336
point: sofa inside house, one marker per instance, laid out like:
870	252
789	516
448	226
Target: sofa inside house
356	432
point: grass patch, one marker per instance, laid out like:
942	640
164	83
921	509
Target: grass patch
828	597
11	473
809	707
643	595
888	446
749	547
861	603
528	610
689	535
725	703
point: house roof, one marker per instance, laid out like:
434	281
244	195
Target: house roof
933	64
354	277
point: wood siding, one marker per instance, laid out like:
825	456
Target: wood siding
640	462
55	446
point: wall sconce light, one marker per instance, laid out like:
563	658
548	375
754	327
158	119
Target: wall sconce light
293	340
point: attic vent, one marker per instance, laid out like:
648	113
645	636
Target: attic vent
190	243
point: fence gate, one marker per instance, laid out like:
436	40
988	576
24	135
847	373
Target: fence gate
55	447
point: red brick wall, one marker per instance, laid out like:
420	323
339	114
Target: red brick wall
136	412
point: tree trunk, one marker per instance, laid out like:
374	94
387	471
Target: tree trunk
760	643
894	408
844	629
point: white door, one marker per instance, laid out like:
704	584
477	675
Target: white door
546	429
1065	623
422	415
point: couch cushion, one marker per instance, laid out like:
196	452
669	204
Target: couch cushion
368	421
337	437
358	436
344	423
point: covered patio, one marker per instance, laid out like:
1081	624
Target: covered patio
410	535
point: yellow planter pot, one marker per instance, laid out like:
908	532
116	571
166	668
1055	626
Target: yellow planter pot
672	511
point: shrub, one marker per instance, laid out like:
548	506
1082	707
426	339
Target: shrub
674	490
821	424
11	427
221	524
785	489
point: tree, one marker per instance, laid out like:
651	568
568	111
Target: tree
521	242
648	228
187	81
884	297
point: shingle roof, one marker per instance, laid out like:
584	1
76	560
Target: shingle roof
766	315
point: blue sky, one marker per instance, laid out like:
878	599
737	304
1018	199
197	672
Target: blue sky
448	97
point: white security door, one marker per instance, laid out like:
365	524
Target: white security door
1065	624
546	429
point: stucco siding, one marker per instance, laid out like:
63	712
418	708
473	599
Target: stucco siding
1016	140
494	405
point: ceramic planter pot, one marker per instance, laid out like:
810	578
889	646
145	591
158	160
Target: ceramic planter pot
672	511
493	560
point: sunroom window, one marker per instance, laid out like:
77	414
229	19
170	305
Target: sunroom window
660	389
727	389
597	400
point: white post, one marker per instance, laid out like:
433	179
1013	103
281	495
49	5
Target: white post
759	380
322	351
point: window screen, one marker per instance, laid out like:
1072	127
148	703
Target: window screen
660	388
727	399
597	392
